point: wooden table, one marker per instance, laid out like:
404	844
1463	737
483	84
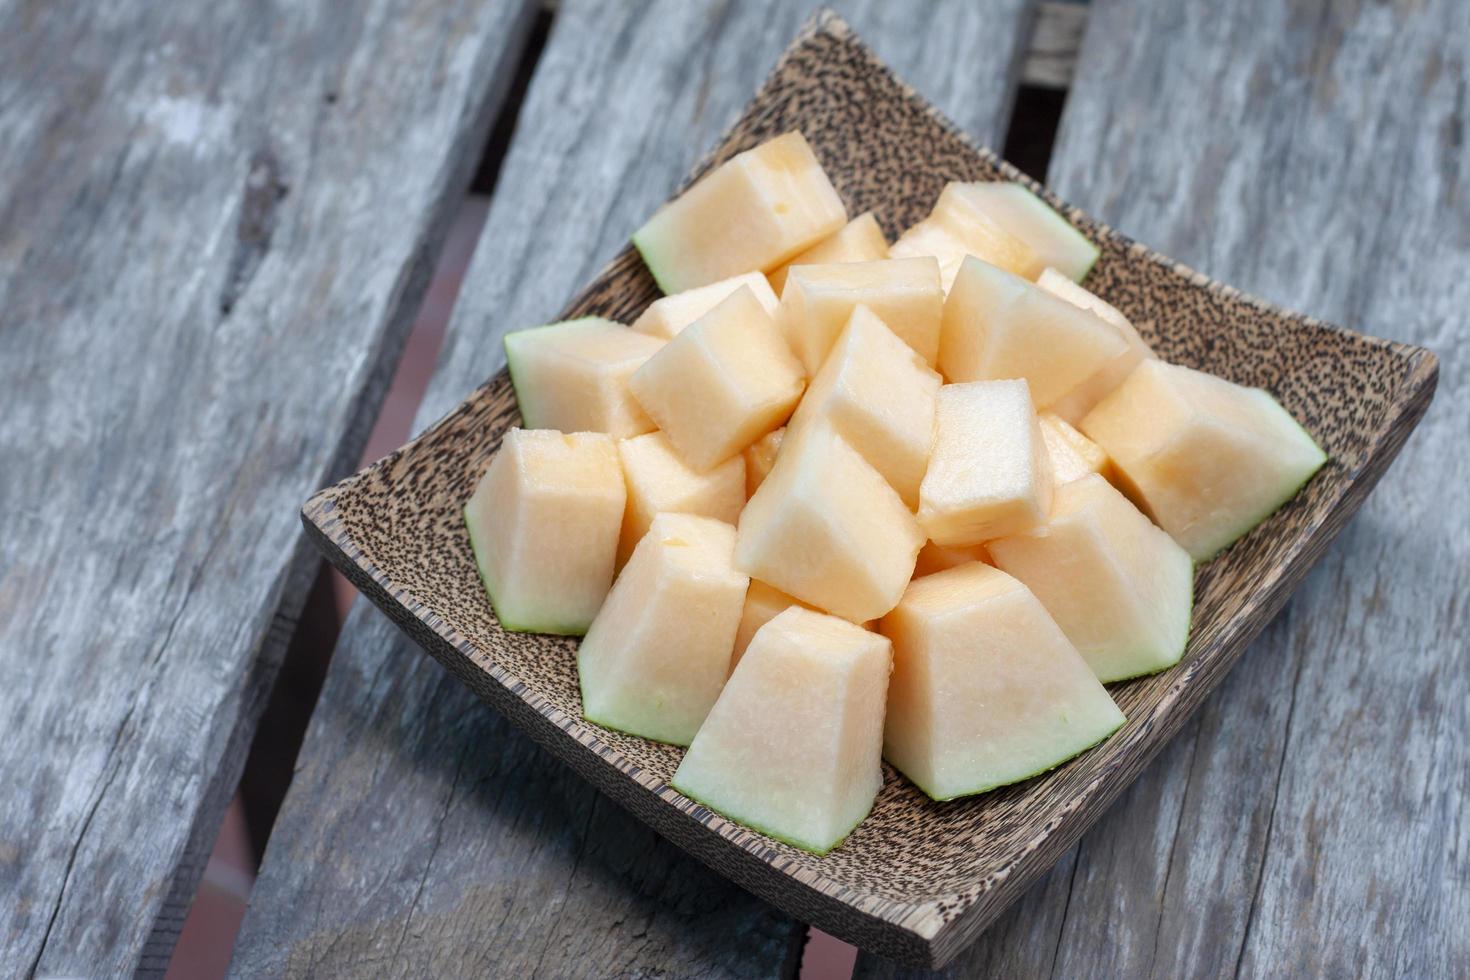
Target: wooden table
215	228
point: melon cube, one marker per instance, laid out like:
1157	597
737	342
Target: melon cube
1207	459
957	228
827	528
878	395
543	526
793	747
573	376
1119	587
760	456
763	603
1023	214
659	481
1072	454
670	314
819	299
989	473
860	240
998	325
936	558
751	213
1081	399
723	382
658	652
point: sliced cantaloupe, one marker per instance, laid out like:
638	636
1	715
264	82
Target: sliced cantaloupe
1072	454
819	299
1120	588
763	603
1081	399
878	394
986	690
670	314
860	240
659	481
827	528
957	228
723	382
760	456
989	473
543	525
998	325
1023	214
658	652
1207	459
936	558
573	376
751	213
793	746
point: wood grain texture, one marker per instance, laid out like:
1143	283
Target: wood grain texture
216	221
422	833
1314	818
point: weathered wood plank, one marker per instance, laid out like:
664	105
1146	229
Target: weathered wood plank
1312	820
422	833
216	221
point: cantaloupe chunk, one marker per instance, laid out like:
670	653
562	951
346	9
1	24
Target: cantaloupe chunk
543	525
573	376
1207	459
989	473
1120	588
827	528
723	382
658	652
1072	454
763	603
819	299
860	240
751	213
659	481
670	314
936	558
1081	399
793	746
1023	214
878	395
957	228
986	690
760	456
998	325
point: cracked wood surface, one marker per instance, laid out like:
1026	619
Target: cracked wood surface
216	222
1312	819
422	834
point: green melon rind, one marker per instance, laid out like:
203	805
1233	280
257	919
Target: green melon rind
1064	228
553	627
652	257
1183	643
621	727
525	398
811	848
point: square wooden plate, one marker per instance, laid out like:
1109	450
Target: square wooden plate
917	880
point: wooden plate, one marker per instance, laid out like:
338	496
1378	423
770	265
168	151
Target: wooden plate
917	880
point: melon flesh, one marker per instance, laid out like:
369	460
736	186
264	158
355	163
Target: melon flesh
826	528
763	603
819	299
998	325
936	558
986	690
1081	399
543	524
658	652
1017	210
1207	459
878	395
1072	454
957	228
659	481
760	456
723	382
860	240
751	213
989	473
573	376
1120	588
667	316
793	747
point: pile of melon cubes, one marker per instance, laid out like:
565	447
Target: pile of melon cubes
831	501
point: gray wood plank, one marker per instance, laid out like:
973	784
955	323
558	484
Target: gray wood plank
421	833
216	221
1312	820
